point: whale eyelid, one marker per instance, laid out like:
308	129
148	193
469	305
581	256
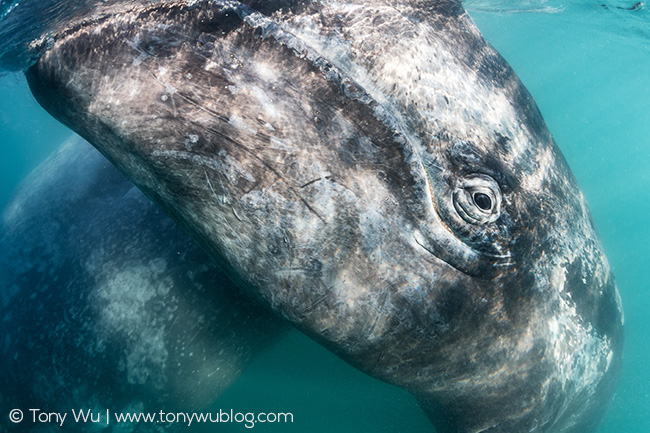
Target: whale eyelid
472	196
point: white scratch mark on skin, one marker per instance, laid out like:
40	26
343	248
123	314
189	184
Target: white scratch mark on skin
135	89
174	105
229	167
213	372
202	160
234	212
239	123
265	102
142	55
278	144
222	198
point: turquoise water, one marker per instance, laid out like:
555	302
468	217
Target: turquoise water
587	67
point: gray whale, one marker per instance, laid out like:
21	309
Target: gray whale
374	172
107	304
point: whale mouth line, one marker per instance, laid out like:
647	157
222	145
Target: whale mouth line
442	259
469	261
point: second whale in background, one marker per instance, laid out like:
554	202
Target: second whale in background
107	304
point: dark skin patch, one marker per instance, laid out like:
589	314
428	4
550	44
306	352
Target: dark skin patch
608	320
503	143
602	312
520	298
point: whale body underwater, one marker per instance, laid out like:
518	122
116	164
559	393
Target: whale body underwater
101	311
372	171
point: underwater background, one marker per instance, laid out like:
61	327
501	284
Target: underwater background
587	64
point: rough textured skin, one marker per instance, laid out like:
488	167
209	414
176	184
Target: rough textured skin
106	304
376	173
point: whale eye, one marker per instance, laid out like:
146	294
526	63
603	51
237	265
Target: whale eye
483	201
477	199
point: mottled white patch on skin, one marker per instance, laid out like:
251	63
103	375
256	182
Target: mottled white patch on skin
580	355
577	351
125	293
158	265
350	298
318	170
335	51
267	71
545	163
370	223
135	89
232	78
238	122
325	197
135	86
439	75
267	104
